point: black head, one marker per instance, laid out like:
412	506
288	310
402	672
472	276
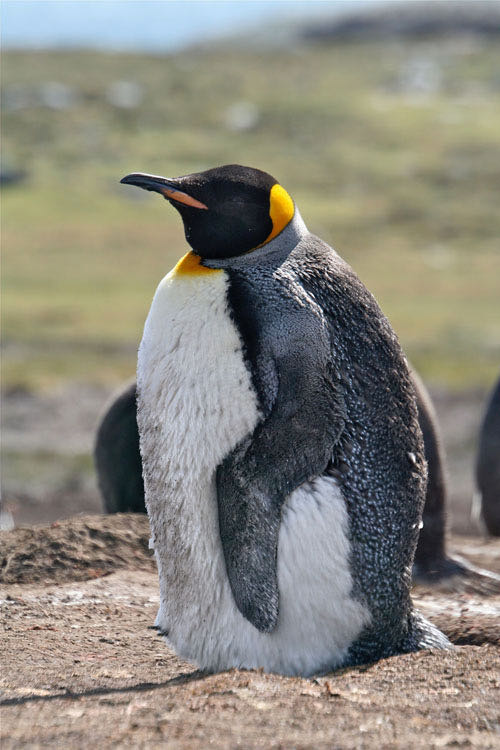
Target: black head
226	211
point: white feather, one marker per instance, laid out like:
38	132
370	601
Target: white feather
196	403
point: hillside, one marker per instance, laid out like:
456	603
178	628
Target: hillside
392	152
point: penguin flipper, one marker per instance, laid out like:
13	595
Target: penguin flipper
293	444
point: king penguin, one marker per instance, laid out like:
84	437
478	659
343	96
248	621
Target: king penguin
117	455
488	464
283	464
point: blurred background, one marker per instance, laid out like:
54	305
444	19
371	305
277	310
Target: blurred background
383	122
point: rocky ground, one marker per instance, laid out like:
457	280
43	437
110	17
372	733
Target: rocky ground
82	666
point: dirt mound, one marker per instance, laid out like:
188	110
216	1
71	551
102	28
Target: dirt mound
471	631
75	550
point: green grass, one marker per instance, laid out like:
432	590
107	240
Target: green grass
33	472
404	186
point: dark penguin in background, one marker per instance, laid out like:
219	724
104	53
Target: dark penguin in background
117	456
119	470
488	464
432	563
283	463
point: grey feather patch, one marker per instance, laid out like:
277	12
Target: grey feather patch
249	526
303	419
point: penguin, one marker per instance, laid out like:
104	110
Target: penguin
117	457
432	563
488	464
283	464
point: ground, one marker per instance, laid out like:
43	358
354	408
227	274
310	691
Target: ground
83	667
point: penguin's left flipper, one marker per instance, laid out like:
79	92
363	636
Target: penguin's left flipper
293	444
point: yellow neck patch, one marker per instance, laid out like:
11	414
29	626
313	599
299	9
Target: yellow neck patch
190	265
281	210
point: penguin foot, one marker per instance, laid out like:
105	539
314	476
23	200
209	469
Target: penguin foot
423	634
159	631
456	575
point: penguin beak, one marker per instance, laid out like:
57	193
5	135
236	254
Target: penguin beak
162	185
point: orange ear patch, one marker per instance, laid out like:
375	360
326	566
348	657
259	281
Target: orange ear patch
281	210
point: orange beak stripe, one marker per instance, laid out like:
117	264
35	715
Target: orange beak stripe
180	197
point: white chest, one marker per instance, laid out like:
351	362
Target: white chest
195	404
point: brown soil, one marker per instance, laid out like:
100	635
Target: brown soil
76	550
82	667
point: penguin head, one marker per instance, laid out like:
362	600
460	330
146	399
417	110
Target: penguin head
226	211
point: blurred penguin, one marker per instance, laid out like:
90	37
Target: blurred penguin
119	471
117	457
488	465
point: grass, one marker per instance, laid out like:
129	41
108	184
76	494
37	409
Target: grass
42	472
404	185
